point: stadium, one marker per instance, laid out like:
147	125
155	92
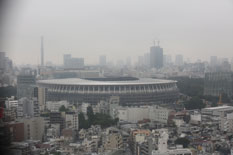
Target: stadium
131	91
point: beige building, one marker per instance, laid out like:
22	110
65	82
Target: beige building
72	121
33	128
112	141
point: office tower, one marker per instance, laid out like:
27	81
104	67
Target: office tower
26	83
179	60
72	63
66	58
2	60
231	64
156	57
147	59
140	60
42	51
128	61
167	59
217	83
102	60
28	107
213	61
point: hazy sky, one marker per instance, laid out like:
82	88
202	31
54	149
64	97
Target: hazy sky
117	28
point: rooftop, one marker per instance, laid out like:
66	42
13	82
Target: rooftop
77	81
218	108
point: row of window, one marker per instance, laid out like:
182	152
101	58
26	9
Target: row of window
116	88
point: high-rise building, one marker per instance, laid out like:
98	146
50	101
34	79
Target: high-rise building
26	83
156	57
218	83
2	60
213	61
179	60
72	63
30	107
167	59
147	59
6	64
42	51
128	61
102	60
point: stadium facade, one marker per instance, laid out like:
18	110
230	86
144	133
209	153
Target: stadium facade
131	91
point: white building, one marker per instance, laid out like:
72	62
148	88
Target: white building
163	149
214	113
15	106
135	114
11	103
226	123
55	106
72	121
30	107
132	114
195	117
158	114
84	107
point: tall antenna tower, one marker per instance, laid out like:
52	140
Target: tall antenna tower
42	51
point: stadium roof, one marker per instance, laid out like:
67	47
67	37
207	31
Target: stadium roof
77	81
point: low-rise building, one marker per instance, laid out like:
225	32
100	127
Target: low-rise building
163	147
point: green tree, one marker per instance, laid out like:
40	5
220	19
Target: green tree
90	115
182	141
62	109
194	103
83	123
190	86
103	120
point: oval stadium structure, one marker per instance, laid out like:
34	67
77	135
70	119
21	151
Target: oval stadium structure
131	91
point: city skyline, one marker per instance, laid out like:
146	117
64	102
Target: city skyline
117	29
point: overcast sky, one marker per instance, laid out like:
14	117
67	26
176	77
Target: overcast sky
116	28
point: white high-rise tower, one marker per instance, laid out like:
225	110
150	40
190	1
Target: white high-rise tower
42	51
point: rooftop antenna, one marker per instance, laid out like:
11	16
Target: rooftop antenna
154	42
158	42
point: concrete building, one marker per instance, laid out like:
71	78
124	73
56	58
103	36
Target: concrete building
84	107
33	128
163	147
137	137
91	144
17	131
179	60
213	61
132	114
135	114
112	140
156	57
214	113
2	60
54	106
57	118
30	107
102	60
72	63
26	83
72	120
217	83
159	114
226	122
195	117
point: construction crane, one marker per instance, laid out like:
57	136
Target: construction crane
220	100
